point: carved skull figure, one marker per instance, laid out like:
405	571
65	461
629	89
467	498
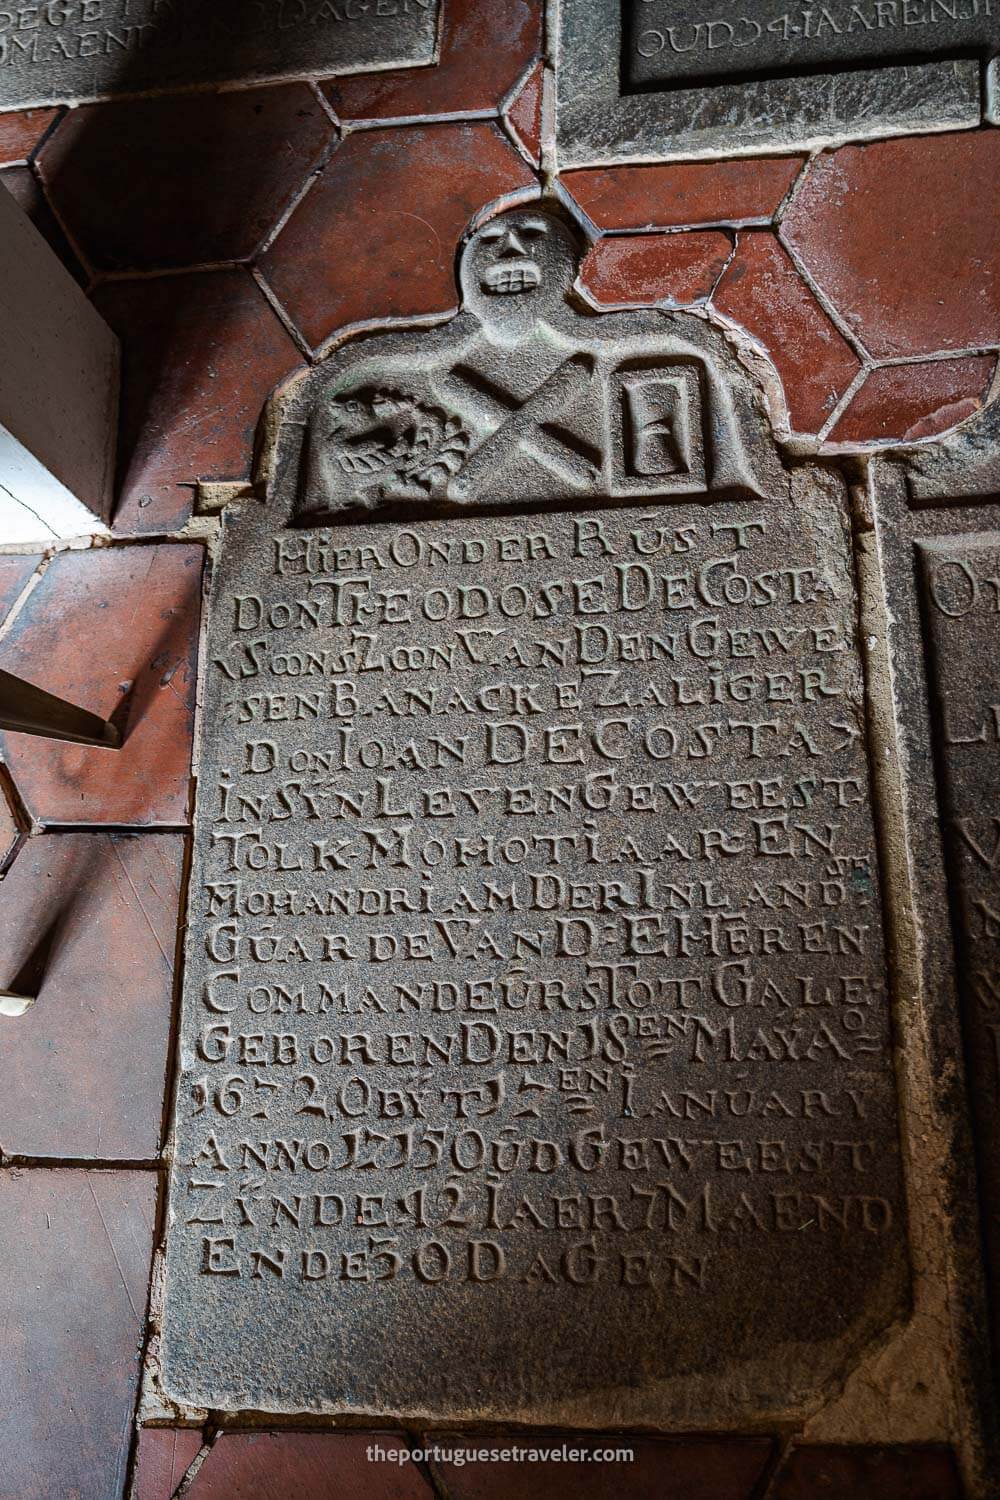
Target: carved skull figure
517	269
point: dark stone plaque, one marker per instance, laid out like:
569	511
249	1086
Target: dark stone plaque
662	79
86	49
672	41
961	587
536	1054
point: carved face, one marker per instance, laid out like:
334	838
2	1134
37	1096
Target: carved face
517	267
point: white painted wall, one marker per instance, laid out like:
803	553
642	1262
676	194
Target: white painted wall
58	394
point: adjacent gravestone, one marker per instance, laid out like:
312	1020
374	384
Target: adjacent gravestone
536	1057
961	597
659	79
88	49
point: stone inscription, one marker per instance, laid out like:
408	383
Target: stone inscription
962	609
680	40
84	49
535	1035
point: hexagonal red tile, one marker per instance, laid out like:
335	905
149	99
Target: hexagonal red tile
20	132
682	193
88	927
762	290
200	354
869	1474
376	236
317	1465
182	179
163	1457
645	268
905	402
103	626
524	114
900	236
714	1469
484	51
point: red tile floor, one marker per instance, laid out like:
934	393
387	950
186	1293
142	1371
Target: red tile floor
228	238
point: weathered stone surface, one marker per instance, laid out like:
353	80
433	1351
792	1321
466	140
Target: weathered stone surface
87	50
667	42
599	120
534	1024
960	582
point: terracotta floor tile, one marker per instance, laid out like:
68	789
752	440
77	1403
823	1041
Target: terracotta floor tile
164	1456
320	1466
182	179
915	401
660	1470
88	927
763	291
75	1248
23	185
900	237
484	51
200	354
376	236
20	132
869	1474
717	192
101	626
15	570
645	268
525	113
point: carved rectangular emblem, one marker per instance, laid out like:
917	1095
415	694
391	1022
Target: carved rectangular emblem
536	1054
88	49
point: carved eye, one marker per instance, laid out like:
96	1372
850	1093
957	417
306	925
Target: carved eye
490	235
534	229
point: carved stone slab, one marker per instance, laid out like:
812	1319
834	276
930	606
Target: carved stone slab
87	49
536	1056
671	40
961	587
661	79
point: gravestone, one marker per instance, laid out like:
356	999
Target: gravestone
88	49
536	1054
663	79
960	577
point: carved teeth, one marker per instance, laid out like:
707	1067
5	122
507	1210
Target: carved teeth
505	280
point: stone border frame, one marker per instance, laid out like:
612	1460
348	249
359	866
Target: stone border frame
596	124
889	532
